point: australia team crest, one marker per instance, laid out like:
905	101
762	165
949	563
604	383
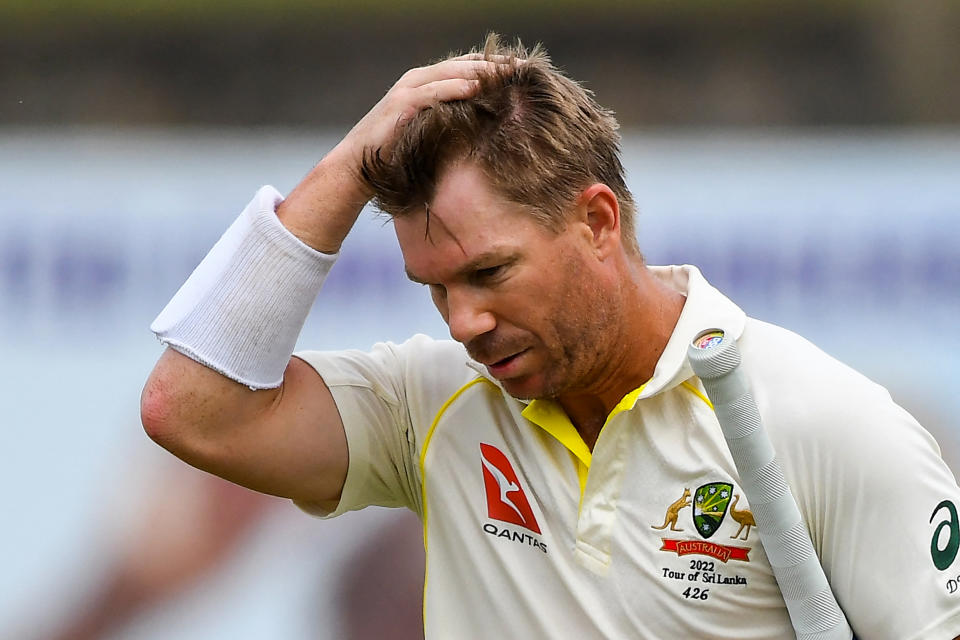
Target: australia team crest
710	504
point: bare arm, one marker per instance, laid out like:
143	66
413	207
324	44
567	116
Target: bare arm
287	442
290	441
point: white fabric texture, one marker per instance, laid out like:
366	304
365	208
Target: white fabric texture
418	414
241	310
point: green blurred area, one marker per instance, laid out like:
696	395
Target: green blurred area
27	11
324	62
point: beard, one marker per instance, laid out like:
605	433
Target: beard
583	346
572	342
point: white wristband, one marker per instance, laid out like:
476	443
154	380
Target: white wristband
241	310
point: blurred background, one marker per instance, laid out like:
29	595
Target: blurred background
805	154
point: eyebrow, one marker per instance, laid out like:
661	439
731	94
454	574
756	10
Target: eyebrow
503	256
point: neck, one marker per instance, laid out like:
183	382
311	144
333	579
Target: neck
643	328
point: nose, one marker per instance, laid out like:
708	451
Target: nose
467	315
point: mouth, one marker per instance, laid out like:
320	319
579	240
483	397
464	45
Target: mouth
506	366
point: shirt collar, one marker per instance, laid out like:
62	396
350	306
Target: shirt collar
705	308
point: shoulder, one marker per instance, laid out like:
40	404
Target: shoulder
824	418
796	381
835	431
420	369
868	479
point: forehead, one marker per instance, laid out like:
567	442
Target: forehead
467	219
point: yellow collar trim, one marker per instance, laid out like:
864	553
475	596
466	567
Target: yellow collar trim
550	416
627	403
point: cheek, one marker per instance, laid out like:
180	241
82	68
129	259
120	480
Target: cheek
582	308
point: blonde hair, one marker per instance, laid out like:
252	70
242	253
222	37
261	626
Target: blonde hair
538	136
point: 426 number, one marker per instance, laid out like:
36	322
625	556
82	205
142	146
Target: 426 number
696	593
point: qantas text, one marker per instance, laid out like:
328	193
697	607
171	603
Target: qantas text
515	536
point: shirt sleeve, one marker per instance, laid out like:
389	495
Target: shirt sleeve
369	392
387	398
890	562
880	503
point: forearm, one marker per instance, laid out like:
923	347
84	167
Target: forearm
323	208
199	388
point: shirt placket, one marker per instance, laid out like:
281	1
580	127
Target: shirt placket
600	472
601	496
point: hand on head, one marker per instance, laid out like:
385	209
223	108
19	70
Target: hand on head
417	89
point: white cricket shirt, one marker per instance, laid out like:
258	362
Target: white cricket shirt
529	534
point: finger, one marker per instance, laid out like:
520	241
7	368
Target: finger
444	91
446	70
497	58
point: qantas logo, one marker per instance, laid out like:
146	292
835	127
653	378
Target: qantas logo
506	500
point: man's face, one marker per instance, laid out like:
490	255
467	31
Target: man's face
531	304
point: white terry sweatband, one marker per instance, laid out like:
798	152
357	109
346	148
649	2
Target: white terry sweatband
241	310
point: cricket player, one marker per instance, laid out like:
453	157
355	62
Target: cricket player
569	470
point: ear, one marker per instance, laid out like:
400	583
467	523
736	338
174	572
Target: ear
601	213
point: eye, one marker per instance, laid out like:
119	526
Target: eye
488	274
